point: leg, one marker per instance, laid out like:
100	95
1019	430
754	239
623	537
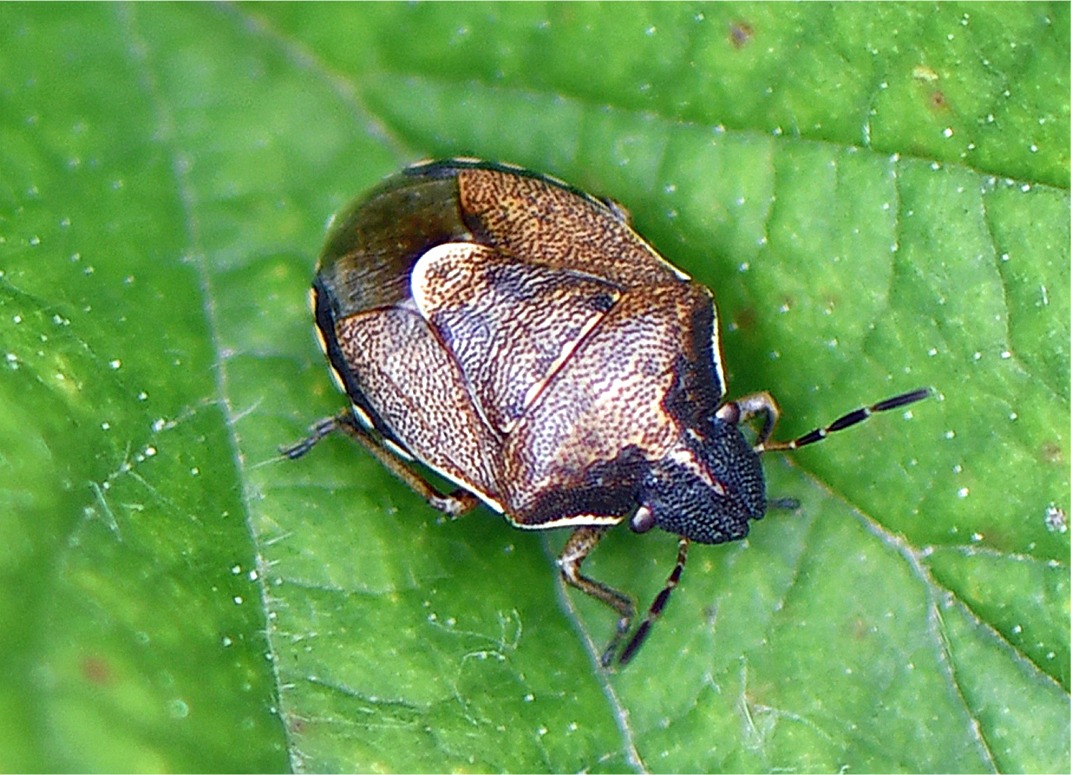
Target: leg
455	504
658	605
743	409
577	548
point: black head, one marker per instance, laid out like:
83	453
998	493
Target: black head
706	489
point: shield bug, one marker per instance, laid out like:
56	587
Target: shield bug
515	335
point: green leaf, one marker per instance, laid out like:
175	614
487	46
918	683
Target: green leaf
878	196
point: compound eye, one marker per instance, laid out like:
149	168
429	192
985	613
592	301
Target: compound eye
643	520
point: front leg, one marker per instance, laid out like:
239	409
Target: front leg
577	548
455	504
744	409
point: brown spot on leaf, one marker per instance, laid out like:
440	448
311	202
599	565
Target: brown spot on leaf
1051	452
745	319
938	101
96	670
740	33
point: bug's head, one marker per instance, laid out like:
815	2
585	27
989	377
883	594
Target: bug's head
706	489
710	484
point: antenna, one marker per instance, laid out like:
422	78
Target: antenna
845	421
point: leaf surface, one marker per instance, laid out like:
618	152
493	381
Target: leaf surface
877	195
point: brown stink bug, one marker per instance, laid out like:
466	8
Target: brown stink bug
517	337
